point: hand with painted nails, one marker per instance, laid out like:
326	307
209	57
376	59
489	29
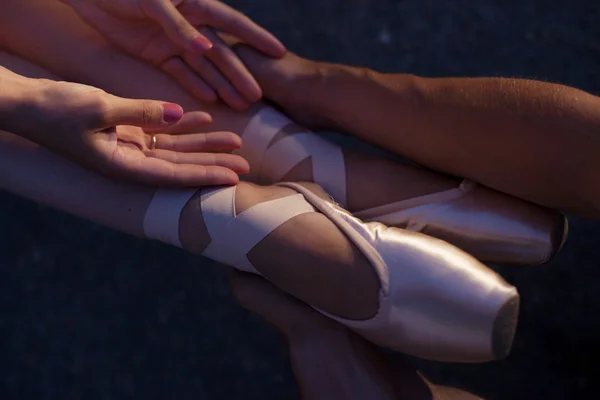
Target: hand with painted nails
328	360
178	37
135	140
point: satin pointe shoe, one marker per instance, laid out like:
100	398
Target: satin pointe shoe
490	225
435	301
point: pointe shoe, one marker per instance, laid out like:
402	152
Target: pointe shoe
435	301
490	225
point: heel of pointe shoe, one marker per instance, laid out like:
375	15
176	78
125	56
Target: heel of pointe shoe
492	226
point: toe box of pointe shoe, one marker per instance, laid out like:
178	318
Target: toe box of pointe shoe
558	236
505	326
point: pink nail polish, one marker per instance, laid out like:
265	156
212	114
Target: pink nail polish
202	44
172	112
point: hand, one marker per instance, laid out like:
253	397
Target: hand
291	82
162	32
328	360
104	133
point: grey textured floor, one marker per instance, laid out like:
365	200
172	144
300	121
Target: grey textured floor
89	313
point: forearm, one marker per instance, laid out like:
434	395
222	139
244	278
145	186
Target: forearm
30	171
13	98
534	140
22	110
33	172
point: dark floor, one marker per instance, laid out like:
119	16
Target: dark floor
86	313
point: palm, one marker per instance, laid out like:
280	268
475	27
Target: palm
194	159
123	145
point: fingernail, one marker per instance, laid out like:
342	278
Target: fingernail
172	112
202	44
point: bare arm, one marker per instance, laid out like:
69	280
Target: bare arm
535	140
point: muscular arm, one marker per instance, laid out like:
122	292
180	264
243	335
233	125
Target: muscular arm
535	140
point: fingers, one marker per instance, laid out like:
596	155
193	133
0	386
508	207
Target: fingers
199	142
229	64
176	25
141	113
223	72
231	161
158	172
189	80
219	15
213	77
189	123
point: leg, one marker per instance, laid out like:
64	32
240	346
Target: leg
359	274
356	273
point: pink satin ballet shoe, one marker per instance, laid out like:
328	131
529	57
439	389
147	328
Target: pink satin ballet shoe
435	301
492	226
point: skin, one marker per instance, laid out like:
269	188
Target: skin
534	140
305	240
75	72
177	36
328	360
347	366
123	138
452	125
99	64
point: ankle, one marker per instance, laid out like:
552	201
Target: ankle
193	233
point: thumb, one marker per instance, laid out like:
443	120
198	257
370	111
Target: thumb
141	113
176	26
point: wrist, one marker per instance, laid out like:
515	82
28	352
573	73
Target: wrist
313	94
19	106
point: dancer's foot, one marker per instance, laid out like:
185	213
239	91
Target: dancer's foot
400	289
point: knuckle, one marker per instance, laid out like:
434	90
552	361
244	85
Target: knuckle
43	82
149	112
99	109
183	28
